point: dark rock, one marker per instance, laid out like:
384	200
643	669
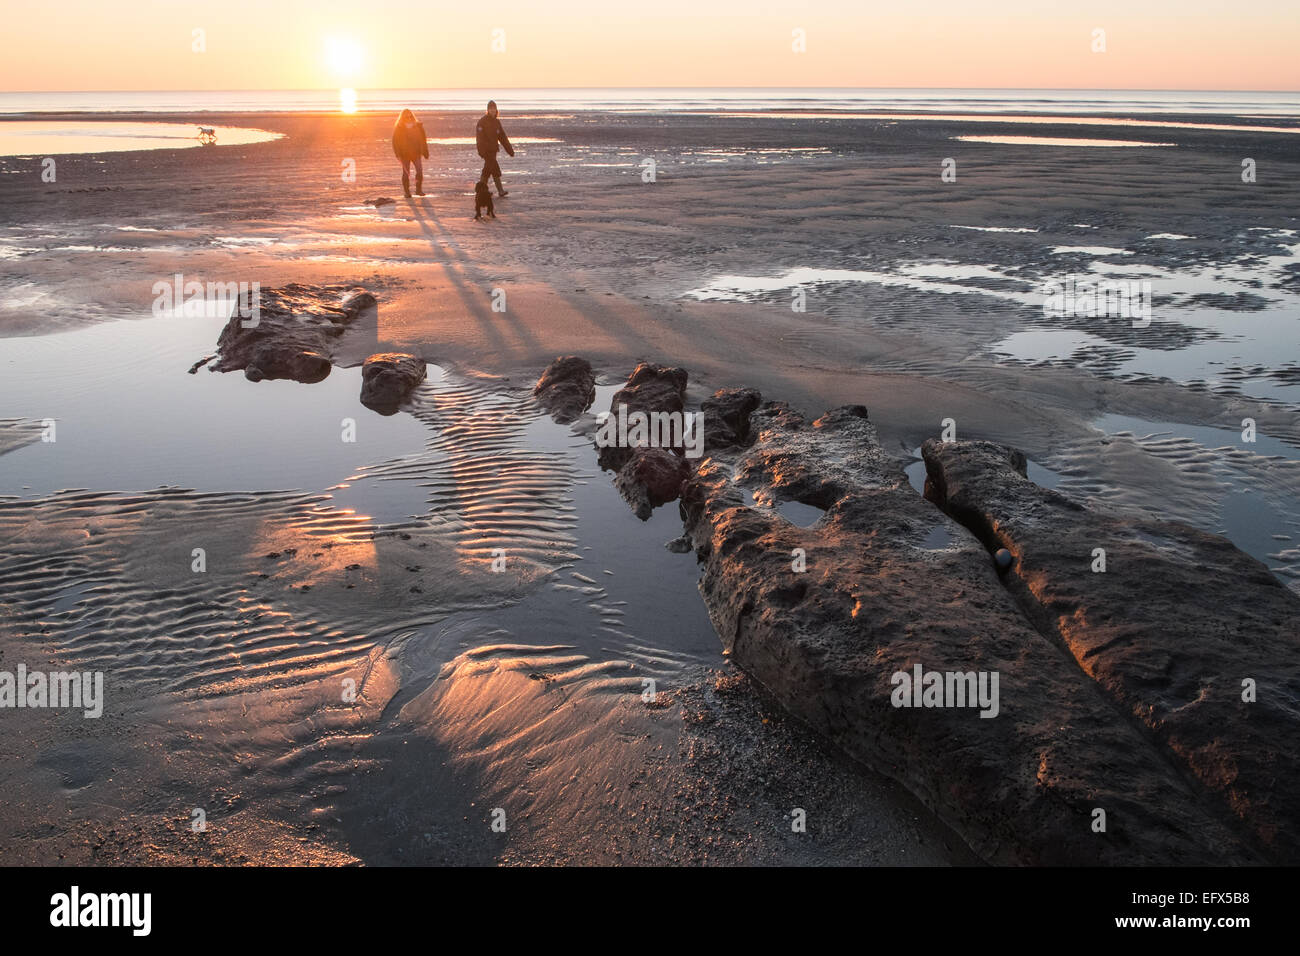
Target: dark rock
387	380
653	388
294	332
1168	631
679	545
651	477
567	388
354	303
381	201
650	388
872	602
273	360
726	417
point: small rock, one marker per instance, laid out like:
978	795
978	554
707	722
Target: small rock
651	477
567	388
650	388
726	417
387	380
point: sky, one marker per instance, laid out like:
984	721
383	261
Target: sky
378	44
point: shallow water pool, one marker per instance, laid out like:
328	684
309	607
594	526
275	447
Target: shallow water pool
53	138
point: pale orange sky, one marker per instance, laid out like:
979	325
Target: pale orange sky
265	44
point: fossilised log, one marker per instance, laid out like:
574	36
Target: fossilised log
866	626
1187	636
293	333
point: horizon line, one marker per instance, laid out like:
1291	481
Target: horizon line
452	89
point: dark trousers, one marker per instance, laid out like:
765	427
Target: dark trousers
491	168
406	175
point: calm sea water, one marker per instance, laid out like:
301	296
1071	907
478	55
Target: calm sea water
1281	104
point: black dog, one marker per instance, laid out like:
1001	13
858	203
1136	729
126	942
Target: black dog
482	200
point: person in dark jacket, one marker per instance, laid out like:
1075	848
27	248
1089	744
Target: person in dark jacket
490	135
410	145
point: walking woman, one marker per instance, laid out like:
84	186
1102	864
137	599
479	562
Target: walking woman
410	145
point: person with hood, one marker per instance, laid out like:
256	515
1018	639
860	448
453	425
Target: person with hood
410	145
490	136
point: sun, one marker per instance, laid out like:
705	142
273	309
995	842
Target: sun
343	55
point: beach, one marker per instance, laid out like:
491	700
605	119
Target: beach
820	259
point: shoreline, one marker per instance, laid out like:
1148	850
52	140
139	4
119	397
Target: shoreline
909	114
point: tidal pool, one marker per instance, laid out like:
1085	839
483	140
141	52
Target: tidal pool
59	137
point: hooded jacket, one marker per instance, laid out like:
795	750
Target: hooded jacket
410	142
489	133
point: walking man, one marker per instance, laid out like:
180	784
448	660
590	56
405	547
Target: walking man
490	136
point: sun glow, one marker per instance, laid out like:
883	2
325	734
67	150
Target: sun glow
344	56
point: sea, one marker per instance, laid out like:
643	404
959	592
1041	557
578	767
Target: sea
1281	104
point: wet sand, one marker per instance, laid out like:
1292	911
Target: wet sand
523	690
